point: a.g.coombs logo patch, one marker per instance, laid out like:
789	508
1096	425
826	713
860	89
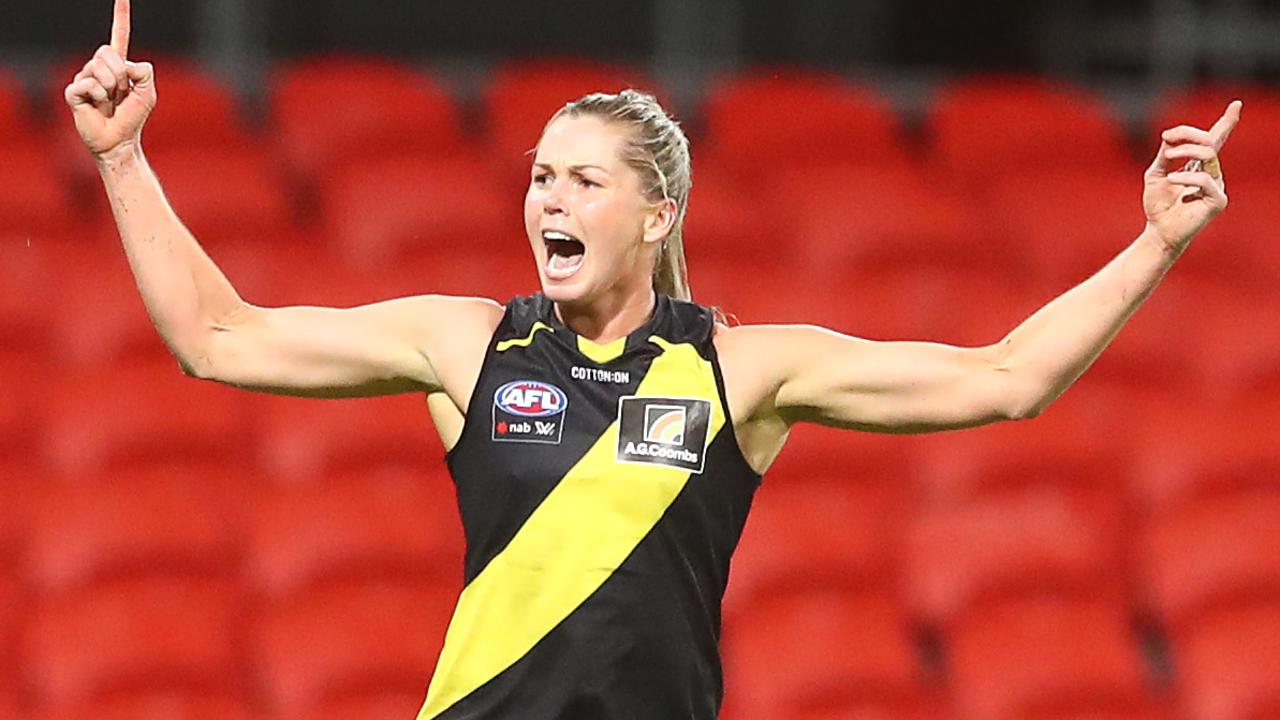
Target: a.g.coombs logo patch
529	411
664	431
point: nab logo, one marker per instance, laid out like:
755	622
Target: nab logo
528	411
664	424
530	398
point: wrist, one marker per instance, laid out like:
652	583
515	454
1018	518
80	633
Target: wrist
1171	248
122	157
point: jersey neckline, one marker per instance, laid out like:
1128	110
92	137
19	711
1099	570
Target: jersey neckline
603	354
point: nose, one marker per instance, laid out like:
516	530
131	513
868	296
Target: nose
553	200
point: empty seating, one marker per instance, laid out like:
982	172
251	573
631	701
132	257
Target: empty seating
232	194
816	653
525	94
1229	667
821	531
380	213
151	706
985	126
173	519
303	438
1048	658
36	201
138	636
358	640
364	525
386	109
14	120
142	414
764	119
1205	556
962	557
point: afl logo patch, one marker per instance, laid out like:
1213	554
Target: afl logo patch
529	411
664	431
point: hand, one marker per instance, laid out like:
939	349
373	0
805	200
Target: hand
1179	203
111	97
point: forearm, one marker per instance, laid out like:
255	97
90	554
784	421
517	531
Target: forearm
1052	348
185	293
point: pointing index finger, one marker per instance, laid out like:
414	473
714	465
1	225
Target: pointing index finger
1221	130
120	29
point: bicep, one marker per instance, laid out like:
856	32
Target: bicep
384	348
898	386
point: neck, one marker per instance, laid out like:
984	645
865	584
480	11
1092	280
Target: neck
614	316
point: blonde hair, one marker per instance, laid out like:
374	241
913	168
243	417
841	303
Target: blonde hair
659	151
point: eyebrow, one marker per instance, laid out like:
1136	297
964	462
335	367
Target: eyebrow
573	168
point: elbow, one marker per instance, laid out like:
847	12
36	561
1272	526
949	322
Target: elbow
1027	400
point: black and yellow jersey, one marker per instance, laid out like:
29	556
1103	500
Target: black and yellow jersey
602	493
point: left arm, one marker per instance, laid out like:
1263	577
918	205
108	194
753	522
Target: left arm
824	377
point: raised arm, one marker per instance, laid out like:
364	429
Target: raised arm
401	345
811	374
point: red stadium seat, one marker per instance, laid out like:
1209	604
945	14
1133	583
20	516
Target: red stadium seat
142	414
1254	149
143	636
726	222
1236	248
385	706
378	214
764	119
396	525
151	706
1207	555
351	642
820	653
96	316
15	122
964	556
1213	453
1068	449
20	429
173	519
39	204
984	126
305	438
904	221
230	195
525	94
1048	659
1068	222
387	109
1229	666
821	531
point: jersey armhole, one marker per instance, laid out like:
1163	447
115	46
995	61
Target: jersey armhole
467	424
728	415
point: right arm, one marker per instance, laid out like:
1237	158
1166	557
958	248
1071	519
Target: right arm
425	343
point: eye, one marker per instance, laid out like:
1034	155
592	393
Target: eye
541	178
588	183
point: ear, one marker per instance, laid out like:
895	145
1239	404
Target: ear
660	220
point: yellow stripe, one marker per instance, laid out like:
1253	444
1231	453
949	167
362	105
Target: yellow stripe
585	528
601	353
524	341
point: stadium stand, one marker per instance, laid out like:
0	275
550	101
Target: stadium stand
985	125
387	109
152	635
175	519
763	120
152	706
523	94
1229	666
358	526
349	642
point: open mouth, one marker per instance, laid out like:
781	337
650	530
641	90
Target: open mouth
565	254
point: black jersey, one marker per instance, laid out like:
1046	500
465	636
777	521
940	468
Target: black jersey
602	492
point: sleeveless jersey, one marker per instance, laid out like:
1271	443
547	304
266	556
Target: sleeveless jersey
602	493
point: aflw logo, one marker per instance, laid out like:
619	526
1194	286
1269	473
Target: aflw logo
529	411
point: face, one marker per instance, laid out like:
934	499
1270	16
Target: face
592	230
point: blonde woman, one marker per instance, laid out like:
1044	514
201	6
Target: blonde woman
606	434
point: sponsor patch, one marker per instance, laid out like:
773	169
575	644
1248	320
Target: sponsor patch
529	411
664	431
